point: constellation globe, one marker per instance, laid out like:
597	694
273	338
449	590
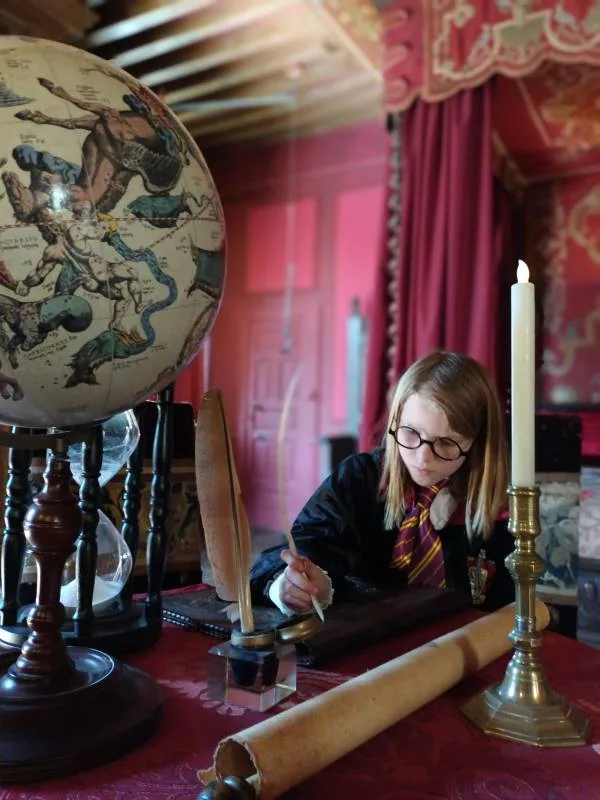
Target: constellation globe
112	238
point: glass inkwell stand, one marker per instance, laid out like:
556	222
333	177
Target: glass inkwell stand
253	670
256	668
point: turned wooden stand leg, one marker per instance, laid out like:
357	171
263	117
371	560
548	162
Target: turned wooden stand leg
63	709
51	527
156	546
13	542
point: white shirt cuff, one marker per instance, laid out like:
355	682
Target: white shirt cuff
275	592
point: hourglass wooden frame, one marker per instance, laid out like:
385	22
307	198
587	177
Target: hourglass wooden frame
130	625
83	705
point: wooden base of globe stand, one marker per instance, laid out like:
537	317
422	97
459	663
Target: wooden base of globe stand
64	709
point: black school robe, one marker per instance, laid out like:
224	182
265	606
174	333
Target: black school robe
341	529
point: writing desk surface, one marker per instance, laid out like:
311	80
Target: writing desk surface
435	754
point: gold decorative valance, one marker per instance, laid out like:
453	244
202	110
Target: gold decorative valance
435	48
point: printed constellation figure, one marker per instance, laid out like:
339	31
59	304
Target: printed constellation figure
120	145
69	248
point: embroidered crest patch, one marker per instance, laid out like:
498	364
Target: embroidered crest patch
481	571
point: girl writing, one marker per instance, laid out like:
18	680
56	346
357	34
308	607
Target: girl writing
425	509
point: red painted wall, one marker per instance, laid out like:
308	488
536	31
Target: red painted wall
335	184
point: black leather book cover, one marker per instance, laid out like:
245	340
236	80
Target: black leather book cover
364	615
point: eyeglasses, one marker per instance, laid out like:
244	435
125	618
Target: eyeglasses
444	447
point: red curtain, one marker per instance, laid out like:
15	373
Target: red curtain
449	270
379	324
507	247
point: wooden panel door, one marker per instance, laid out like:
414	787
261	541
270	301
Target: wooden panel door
269	373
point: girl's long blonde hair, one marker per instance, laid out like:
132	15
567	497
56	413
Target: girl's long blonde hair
463	389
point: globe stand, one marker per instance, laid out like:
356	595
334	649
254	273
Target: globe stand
64	709
129	624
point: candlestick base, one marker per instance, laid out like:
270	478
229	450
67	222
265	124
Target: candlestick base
548	720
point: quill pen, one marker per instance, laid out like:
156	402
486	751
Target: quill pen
287	404
224	521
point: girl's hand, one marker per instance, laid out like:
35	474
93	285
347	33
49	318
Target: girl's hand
301	580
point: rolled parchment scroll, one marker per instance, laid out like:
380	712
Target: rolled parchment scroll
221	508
284	750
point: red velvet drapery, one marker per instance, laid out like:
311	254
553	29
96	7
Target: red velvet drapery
381	326
449	273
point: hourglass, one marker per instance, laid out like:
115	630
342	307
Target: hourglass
84	706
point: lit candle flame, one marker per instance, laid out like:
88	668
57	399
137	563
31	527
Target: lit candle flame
522	272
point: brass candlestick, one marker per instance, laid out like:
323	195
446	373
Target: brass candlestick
523	708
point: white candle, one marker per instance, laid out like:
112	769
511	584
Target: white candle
522	395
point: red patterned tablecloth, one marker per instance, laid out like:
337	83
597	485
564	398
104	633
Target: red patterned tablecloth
435	754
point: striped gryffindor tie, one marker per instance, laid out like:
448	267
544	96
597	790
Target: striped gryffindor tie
418	549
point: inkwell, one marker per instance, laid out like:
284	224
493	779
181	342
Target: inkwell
256	668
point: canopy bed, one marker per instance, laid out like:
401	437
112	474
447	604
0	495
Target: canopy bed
520	80
494	156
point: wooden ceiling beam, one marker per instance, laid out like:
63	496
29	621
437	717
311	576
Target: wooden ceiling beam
346	111
184	34
218	51
353	116
60	20
310	116
293	87
318	97
140	18
358	25
250	69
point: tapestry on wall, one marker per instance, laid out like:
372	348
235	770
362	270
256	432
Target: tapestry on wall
558	475
564	250
558	542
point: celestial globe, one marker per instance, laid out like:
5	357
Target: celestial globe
112	238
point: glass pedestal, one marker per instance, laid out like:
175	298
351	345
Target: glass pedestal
254	678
